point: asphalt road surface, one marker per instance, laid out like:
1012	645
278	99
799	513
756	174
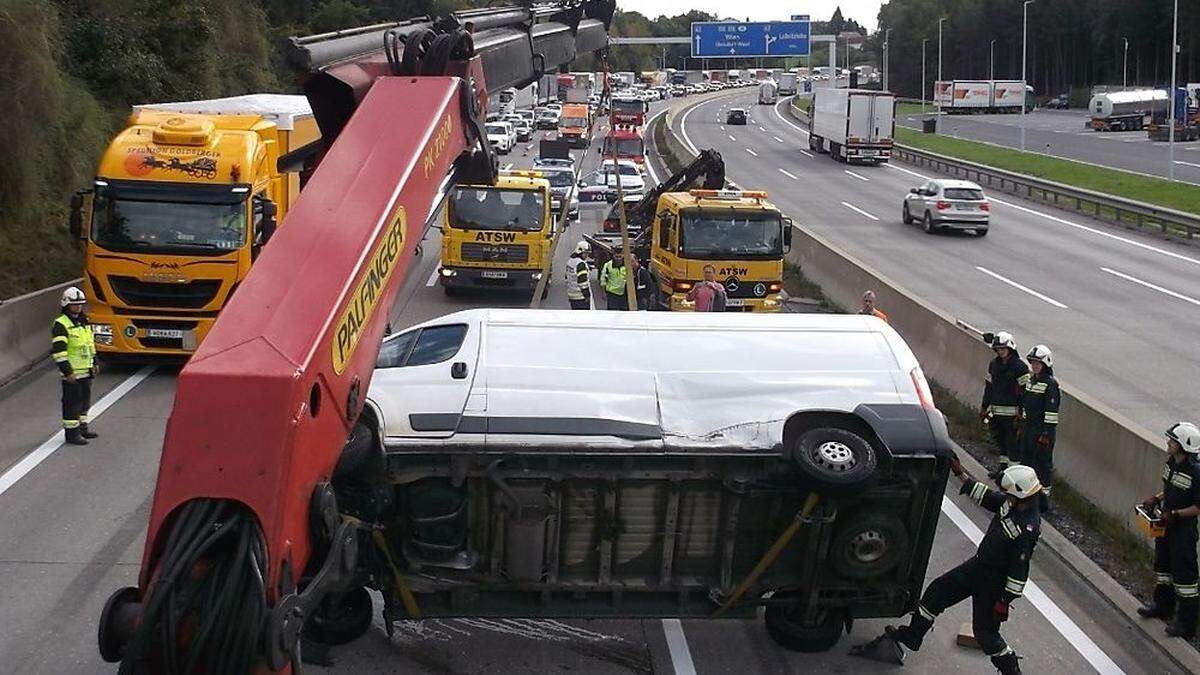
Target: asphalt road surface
1061	133
73	526
1118	308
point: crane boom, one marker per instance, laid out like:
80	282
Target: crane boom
244	530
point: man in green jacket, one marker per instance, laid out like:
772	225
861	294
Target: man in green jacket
612	279
74	352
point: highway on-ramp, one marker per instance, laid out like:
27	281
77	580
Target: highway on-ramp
1120	309
72	527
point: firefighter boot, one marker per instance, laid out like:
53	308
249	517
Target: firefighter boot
1184	625
913	634
1163	604
87	433
1007	664
74	437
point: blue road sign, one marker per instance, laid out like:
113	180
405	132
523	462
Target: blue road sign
715	39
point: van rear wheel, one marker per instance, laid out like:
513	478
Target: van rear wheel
786	625
835	460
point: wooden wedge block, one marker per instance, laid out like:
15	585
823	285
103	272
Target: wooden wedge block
966	636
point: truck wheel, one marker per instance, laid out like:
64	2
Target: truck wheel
869	545
341	618
835	460
786	626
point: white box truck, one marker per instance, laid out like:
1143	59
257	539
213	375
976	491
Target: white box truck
1009	95
853	125
787	83
768	92
963	96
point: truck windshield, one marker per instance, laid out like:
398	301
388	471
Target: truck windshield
174	227
712	235
628	105
573	122
481	208
625	147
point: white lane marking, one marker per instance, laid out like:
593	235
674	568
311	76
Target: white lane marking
778	139
752	152
506	167
860	177
722	127
731	137
681	656
432	277
913	173
1187	163
1149	285
649	164
1027	289
858	210
788	122
762	129
1071	631
784	172
29	462
1102	233
683	128
806	153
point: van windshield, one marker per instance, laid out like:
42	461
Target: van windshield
483	208
713	235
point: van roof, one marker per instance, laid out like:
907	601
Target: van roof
283	109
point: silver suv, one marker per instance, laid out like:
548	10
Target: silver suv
955	204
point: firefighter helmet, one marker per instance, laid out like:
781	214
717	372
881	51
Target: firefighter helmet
583	247
1020	481
72	296
1004	339
1041	353
1186	435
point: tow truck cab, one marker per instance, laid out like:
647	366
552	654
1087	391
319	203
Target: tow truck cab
739	233
497	236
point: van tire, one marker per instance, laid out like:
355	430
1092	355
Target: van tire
836	460
341	618
788	630
360	448
869	544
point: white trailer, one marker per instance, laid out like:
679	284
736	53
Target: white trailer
1008	96
768	92
853	125
963	96
787	83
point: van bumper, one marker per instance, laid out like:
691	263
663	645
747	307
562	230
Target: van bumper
475	277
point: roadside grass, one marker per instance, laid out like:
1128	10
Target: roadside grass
799	286
1179	196
903	109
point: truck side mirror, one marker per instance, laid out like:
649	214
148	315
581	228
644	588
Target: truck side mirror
787	234
267	226
81	209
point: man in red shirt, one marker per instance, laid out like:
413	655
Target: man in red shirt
708	295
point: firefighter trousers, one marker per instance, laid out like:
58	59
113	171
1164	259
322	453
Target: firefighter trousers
76	399
1039	457
1175	567
968	580
1004	434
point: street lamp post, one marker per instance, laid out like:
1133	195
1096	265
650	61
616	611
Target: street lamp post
938	101
992	61
923	43
1171	98
1024	55
887	71
1125	67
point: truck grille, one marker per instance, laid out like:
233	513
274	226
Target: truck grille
508	253
192	295
745	289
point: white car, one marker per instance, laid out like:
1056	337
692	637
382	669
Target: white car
633	183
563	191
952	204
500	135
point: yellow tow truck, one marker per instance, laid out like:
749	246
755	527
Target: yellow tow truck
497	237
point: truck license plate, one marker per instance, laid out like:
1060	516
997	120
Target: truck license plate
733	302
489	274
164	333
868	153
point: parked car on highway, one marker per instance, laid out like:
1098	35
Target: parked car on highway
736	116
563	191
547	119
602	184
944	203
522	128
499	136
1060	102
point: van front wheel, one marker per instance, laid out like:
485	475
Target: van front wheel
786	625
834	459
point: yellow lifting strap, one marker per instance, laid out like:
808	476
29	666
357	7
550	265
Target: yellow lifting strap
771	555
406	594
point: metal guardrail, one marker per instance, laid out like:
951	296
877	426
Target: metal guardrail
1120	210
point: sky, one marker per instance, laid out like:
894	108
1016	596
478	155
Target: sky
866	12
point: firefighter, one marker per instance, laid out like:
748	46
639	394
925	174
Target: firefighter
1037	416
993	578
1006	380
74	352
578	282
1175	551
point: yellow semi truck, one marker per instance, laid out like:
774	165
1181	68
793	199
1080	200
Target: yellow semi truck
184	199
497	237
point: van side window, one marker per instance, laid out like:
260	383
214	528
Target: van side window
395	349
437	344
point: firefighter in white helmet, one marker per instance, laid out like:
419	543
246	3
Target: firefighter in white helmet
578	280
1006	379
1175	589
993	578
74	352
1038	419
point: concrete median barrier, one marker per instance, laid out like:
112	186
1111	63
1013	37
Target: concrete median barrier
25	329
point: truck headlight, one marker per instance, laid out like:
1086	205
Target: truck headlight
102	332
446	272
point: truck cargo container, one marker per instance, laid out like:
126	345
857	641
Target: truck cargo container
787	83
959	96
1009	95
853	125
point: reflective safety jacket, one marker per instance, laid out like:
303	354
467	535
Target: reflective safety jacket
578	285
1004	386
1008	544
612	278
1181	484
1039	404
72	345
